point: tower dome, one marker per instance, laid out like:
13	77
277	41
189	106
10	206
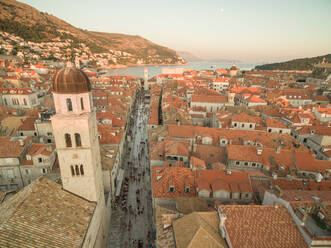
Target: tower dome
233	68
71	80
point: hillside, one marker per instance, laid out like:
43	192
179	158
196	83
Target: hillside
188	56
296	64
32	25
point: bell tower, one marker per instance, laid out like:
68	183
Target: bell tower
146	86
75	132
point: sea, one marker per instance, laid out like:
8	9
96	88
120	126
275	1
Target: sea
138	71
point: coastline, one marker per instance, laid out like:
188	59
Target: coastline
153	70
139	65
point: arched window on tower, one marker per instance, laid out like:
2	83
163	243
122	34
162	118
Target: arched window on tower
81	170
78	140
77	170
72	170
69	104
82	103
68	140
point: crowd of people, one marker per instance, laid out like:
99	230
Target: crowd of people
135	192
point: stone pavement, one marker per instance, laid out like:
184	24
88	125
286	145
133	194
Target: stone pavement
134	223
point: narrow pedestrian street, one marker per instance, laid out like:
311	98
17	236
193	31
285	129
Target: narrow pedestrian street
131	220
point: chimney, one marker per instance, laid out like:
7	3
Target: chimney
279	191
259	151
304	218
194	147
278	148
49	148
222	224
222	220
21	142
318	177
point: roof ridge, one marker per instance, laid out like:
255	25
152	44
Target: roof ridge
201	228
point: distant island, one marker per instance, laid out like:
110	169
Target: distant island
296	64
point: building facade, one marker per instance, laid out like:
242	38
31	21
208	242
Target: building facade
76	137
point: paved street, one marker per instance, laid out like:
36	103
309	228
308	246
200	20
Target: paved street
132	216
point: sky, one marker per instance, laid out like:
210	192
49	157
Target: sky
245	30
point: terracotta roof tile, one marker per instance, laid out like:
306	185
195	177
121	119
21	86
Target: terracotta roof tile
197	163
27	125
180	148
178	177
306	162
275	123
40	149
198	229
181	131
164	233
219	179
243	117
10	147
271	140
243	153
187	205
210	154
209	98
44	215
296	184
306	196
109	134
261	226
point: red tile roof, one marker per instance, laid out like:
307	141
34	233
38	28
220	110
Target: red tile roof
222	80
237	181
40	149
243	153
177	177
301	184
243	117
241	90
236	136
261	226
197	163
306	162
210	154
296	197
178	148
275	123
255	99
42	214
109	134
10	147
209	98
27	125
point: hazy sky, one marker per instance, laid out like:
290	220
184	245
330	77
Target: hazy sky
247	30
